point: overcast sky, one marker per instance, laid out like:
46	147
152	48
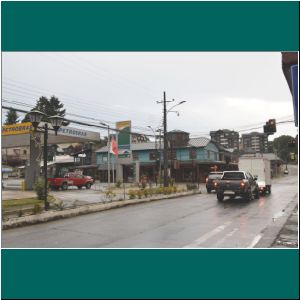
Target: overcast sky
233	90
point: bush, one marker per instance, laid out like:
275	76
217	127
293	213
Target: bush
146	192
59	205
171	181
118	184
139	194
37	209
109	194
191	186
38	186
131	194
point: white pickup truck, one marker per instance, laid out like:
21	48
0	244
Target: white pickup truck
260	167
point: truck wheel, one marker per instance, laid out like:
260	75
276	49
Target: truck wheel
257	194
64	186
79	187
220	197
248	196
88	186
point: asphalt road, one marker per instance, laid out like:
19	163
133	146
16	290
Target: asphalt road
197	221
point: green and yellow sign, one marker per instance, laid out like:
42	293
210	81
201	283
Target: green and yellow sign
124	138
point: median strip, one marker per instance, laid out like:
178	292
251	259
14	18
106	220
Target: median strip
86	209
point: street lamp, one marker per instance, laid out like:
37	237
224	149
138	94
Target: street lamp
36	117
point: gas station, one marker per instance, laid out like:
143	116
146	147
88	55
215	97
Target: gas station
23	135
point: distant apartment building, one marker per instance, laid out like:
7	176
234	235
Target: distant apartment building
226	138
255	141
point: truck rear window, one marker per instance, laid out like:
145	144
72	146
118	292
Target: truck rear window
215	176
233	176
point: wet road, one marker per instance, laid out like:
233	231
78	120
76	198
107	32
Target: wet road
197	221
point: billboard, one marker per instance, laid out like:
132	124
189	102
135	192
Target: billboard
124	138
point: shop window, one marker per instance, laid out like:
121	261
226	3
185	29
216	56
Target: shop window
135	155
152	155
193	153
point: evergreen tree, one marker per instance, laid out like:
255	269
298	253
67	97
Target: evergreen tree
49	107
11	117
281	148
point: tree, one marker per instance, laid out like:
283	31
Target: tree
11	117
49	107
280	146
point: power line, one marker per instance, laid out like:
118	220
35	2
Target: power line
82	123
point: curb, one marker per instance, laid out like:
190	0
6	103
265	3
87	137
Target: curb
271	232
86	209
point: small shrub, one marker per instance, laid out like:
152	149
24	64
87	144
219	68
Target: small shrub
59	205
171	181
191	186
140	194
146	193
38	186
109	194
37	209
118	184
131	194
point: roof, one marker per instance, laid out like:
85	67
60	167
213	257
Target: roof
199	142
193	142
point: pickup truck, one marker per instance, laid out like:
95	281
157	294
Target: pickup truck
237	183
71	179
211	178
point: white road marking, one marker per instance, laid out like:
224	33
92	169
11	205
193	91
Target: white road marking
207	236
255	241
231	233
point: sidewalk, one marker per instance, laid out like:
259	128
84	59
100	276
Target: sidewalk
288	235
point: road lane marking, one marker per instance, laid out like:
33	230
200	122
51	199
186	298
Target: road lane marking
231	233
255	241
207	236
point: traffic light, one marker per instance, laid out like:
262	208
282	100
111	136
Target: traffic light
292	156
270	126
292	144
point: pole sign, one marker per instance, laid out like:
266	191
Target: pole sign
124	138
294	75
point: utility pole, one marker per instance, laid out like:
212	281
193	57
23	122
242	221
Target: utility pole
165	153
165	143
108	157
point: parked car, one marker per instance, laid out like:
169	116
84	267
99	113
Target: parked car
237	183
210	180
71	179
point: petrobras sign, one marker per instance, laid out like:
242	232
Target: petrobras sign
72	132
20	128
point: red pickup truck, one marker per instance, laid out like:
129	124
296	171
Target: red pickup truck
71	179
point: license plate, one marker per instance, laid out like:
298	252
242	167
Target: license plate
229	192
